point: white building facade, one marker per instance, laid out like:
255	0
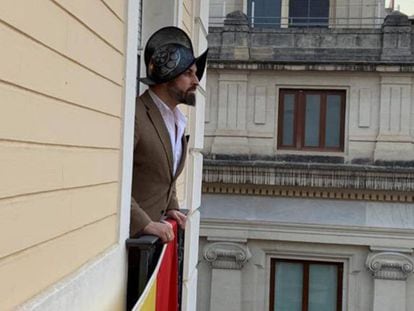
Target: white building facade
308	171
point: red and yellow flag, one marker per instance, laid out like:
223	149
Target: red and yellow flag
161	292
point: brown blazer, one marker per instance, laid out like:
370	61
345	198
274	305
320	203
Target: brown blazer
153	183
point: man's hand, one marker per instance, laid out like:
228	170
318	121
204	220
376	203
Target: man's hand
177	216
163	230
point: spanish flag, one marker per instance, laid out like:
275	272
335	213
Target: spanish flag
161	292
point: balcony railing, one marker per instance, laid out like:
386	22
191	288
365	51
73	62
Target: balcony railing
144	256
304	22
338	16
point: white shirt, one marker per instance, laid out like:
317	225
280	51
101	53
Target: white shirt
175	121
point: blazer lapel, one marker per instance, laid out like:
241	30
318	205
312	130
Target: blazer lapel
180	166
158	122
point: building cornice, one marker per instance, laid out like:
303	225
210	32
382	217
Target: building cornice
330	66
315	233
331	181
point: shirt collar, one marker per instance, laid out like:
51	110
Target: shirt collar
179	118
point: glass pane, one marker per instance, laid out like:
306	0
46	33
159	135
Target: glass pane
319	12
312	116
288	287
308	13
288	119
323	282
298	13
333	121
266	13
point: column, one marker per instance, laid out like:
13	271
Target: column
394	142
227	261
390	270
231	133
194	166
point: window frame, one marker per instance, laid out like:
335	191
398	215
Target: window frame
299	119
305	285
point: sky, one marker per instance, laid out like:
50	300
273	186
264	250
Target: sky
406	6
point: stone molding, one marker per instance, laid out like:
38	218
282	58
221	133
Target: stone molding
390	265
214	229
308	192
221	64
307	175
320	181
225	255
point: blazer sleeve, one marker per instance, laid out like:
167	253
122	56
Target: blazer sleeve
139	218
173	204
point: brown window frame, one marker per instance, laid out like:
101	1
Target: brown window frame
305	285
299	119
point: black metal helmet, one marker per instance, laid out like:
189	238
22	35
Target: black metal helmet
168	54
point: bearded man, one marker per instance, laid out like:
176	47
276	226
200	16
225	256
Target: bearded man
173	74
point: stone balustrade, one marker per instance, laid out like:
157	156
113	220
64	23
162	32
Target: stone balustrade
355	48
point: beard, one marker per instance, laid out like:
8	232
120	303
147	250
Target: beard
187	97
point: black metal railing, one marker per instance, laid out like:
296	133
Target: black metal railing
323	15
302	21
143	255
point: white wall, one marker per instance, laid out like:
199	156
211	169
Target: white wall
256	128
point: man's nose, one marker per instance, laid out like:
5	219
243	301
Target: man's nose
195	80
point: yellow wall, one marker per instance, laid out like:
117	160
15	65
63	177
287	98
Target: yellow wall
61	86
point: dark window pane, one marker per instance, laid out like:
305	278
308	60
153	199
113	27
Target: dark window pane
288	119
323	280
298	12
333	121
319	12
312	117
308	12
266	13
288	287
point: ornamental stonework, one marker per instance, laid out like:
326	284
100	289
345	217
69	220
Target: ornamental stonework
390	265
330	181
226	255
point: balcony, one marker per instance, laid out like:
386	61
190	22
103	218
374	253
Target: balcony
302	13
237	44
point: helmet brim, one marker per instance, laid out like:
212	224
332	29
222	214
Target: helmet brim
200	64
147	81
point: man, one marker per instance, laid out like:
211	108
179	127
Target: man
173	74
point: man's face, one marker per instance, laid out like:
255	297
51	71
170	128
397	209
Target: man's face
182	89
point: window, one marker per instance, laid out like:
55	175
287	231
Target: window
305	286
264	13
308	13
311	120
